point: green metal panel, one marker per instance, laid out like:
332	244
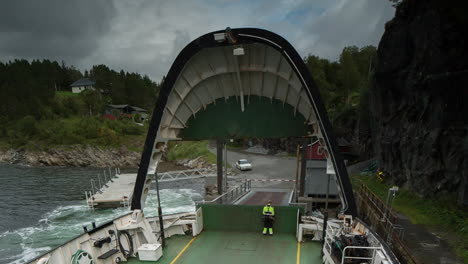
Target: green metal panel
248	218
263	118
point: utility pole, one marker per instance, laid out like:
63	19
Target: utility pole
388	210
303	167
161	223
296	189
219	166
225	167
325	214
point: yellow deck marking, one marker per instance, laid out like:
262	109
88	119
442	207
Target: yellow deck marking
182	251
298	255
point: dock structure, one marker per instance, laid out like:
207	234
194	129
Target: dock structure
117	192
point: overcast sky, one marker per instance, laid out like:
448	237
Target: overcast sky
145	36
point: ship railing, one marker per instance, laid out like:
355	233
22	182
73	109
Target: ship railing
374	250
232	195
293	200
99	186
330	233
89	199
186	174
392	233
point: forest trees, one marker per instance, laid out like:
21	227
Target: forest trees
125	88
36	104
33	88
343	85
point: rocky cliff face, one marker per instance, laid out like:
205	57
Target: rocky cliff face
419	100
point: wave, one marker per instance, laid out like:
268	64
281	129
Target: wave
65	222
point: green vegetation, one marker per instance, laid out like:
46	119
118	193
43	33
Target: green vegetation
190	150
38	109
42	89
41	134
441	215
64	94
344	84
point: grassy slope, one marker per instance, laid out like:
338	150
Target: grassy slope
72	131
65	93
190	150
441	215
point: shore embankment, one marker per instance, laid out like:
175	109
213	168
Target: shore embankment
72	156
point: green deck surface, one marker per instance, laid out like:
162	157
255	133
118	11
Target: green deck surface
239	247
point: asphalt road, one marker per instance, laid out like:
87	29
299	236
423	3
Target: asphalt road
264	167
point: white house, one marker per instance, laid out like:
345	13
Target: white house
81	85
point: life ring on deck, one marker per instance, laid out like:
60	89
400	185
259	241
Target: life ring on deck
82	257
126	252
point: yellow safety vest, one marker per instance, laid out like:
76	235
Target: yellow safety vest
268	210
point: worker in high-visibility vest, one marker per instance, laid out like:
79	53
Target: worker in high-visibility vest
380	175
268	218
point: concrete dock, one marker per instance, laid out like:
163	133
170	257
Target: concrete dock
115	193
118	191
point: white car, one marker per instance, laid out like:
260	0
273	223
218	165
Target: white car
243	164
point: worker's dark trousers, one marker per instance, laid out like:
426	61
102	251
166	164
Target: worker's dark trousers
268	224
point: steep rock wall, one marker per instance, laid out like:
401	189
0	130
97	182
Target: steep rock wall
419	100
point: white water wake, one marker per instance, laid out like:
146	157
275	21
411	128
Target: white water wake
65	222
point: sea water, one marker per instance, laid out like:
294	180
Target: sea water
41	208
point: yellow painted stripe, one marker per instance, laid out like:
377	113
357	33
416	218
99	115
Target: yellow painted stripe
182	251
298	255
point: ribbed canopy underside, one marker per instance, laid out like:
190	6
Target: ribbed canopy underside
215	73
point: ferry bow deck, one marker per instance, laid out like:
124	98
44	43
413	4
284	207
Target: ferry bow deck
237	247
232	234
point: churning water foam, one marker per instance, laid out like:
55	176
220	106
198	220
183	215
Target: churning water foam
66	222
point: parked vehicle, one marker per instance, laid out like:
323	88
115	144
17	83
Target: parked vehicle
243	164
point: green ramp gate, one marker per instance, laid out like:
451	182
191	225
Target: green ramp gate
248	218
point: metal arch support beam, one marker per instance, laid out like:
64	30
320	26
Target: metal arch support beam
192	89
213	99
277	77
185	103
287	87
218	83
246	36
199	99
174	116
239	81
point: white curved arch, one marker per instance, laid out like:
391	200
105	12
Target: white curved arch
214	73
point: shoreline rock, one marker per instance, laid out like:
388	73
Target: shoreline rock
73	156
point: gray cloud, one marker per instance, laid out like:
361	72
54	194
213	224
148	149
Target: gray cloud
349	22
53	29
145	36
